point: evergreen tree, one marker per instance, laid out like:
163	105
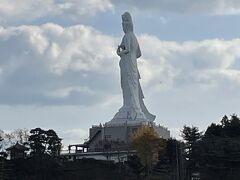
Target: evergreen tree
37	141
44	142
54	143
219	150
191	136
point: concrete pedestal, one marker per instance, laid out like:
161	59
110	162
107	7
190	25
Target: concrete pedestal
120	133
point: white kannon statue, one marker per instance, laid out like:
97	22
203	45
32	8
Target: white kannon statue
133	106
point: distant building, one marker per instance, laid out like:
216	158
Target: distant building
111	141
17	151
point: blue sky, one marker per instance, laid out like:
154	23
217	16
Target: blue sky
59	69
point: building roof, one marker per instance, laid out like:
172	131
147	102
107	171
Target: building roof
18	147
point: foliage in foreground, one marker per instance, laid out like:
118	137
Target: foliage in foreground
220	150
191	136
148	145
216	154
44	142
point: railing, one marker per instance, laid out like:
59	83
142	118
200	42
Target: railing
90	153
129	123
100	149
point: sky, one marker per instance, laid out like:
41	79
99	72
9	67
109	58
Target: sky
59	69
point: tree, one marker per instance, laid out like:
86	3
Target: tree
135	164
17	135
219	150
1	139
232	127
37	141
8	139
148	144
44	142
191	136
54	143
21	135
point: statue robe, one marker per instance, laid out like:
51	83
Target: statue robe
133	106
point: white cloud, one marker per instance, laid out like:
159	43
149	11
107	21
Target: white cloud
50	64
66	92
212	7
46	62
76	48
77	67
26	9
189	63
78	9
29	10
73	136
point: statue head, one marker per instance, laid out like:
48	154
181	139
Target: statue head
127	23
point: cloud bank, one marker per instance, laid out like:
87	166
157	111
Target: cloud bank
213	7
27	11
77	65
30	10
48	64
205	63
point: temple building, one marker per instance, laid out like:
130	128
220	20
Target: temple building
17	151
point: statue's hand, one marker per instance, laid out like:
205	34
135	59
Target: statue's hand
119	51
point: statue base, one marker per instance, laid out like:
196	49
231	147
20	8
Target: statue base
120	131
120	121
